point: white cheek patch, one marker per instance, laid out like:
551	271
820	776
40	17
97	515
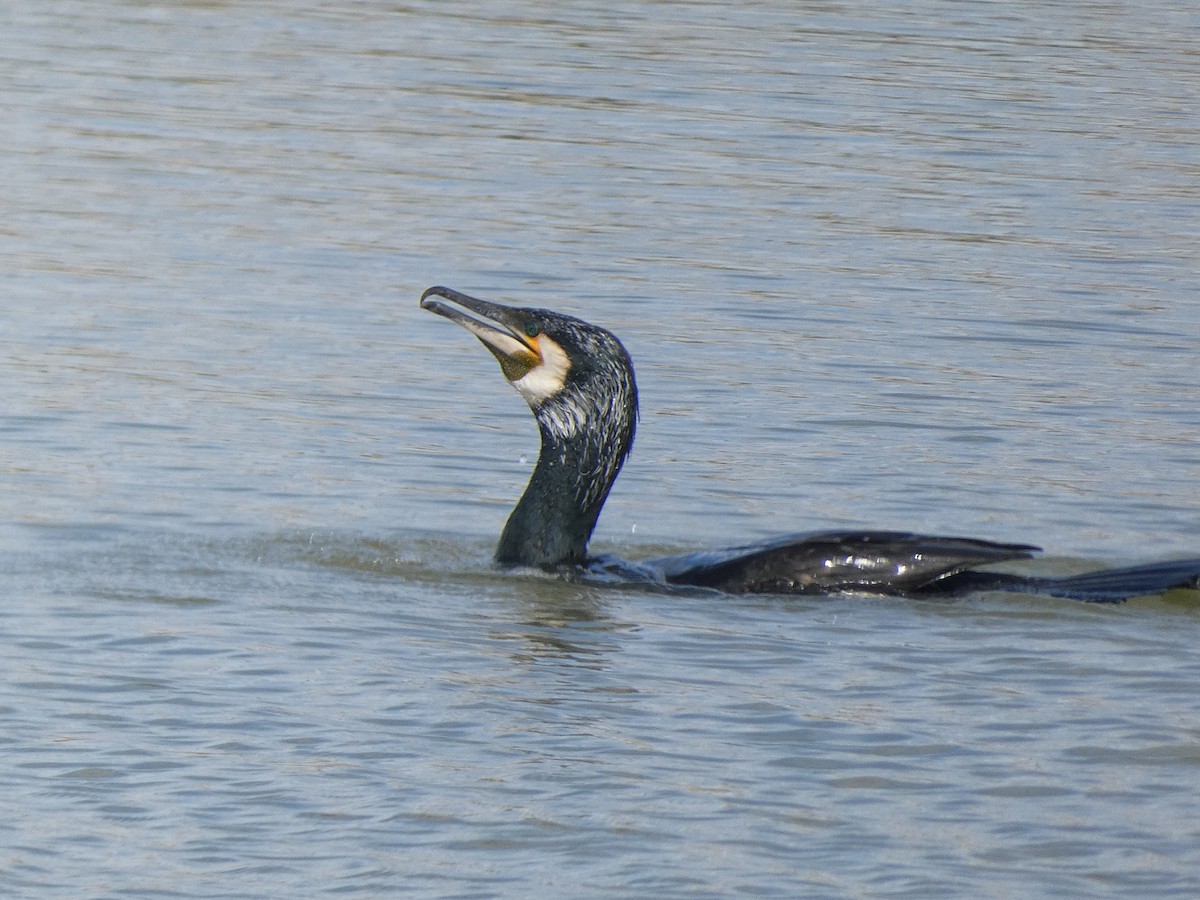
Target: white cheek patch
545	380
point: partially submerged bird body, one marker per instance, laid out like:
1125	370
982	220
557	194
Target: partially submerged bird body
578	381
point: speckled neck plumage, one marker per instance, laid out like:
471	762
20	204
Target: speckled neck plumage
587	431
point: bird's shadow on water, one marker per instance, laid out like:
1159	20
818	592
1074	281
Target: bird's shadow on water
535	618
446	563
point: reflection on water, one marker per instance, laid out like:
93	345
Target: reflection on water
915	267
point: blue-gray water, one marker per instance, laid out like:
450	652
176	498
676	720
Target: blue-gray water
930	266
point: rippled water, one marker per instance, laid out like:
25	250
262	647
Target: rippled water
930	267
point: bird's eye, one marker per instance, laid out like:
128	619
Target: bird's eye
532	330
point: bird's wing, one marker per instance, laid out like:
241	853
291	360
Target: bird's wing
884	562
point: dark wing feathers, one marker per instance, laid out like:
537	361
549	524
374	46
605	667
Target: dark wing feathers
886	562
901	563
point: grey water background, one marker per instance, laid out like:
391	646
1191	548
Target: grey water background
930	265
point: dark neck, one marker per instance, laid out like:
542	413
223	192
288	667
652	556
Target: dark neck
553	520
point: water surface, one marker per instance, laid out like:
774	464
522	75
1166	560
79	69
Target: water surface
932	267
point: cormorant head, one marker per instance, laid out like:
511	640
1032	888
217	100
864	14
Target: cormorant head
571	373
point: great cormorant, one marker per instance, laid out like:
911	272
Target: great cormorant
578	380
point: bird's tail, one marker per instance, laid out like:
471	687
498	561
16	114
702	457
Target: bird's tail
1117	585
1104	586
